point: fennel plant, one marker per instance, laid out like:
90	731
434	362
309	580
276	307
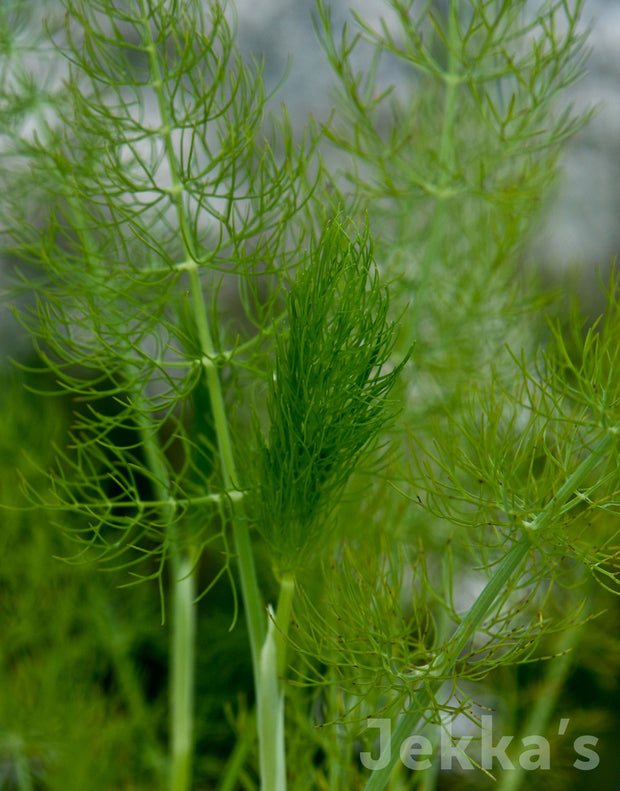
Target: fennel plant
254	406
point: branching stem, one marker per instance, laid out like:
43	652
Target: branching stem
249	585
414	718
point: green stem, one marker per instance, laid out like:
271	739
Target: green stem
184	612
249	585
270	700
270	717
182	673
247	572
283	618
451	78
447	151
413	718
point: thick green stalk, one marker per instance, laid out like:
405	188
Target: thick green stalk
412	719
270	700
270	717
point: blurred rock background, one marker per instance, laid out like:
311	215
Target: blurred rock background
580	231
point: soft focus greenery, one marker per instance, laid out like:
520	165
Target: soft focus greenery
301	440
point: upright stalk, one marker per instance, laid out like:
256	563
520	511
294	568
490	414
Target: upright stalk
247	573
414	718
249	585
447	149
182	672
270	703
182	650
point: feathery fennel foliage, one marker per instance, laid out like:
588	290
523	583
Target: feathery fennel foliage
453	162
233	363
327	400
142	200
